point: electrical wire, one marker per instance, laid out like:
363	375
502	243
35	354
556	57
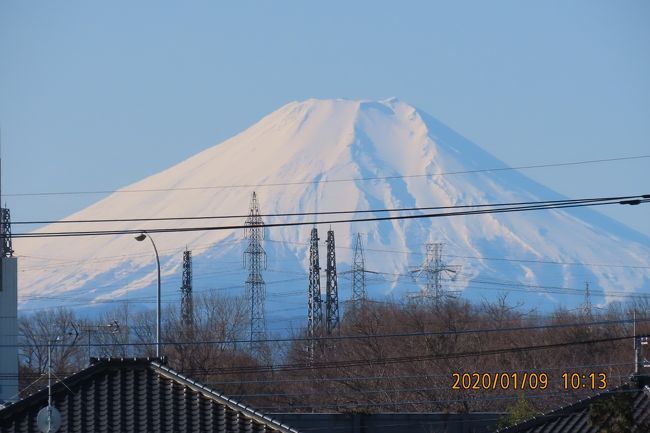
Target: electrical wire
398	378
411	377
408	359
348	405
375	336
321	213
632	200
484	170
75	262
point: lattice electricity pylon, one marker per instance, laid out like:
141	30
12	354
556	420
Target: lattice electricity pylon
6	247
332	295
433	268
358	273
255	259
314	313
187	305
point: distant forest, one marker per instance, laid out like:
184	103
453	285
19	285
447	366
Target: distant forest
394	356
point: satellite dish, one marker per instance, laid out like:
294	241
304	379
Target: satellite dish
43	419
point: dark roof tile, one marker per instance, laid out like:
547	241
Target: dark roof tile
137	395
575	418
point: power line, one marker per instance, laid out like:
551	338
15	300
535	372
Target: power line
93	301
74	262
373	362
380	336
550	262
631	200
438	402
356	392
502	286
321	213
388	377
512	285
418	377
484	170
469	278
409	359
540	318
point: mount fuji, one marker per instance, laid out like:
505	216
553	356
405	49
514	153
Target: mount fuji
328	155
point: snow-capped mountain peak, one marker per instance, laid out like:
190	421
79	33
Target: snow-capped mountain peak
326	155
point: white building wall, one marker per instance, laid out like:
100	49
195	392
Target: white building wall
9	329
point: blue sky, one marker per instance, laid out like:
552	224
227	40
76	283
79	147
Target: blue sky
96	95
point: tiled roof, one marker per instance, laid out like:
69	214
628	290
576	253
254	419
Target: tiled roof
576	417
136	395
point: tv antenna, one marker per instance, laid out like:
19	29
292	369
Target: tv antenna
49	418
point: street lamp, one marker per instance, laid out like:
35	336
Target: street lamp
142	236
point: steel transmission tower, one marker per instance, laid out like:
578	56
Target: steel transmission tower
358	273
433	268
314	313
332	296
255	260
187	305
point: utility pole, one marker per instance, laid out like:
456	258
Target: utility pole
314	312
639	341
359	294
586	304
332	296
255	260
187	305
639	361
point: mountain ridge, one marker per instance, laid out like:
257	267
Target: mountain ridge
316	140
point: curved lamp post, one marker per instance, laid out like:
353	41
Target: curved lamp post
142	236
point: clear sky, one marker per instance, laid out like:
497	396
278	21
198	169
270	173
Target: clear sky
95	95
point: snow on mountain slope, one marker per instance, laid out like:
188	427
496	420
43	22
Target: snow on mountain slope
318	155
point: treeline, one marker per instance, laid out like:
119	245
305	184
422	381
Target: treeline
385	357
